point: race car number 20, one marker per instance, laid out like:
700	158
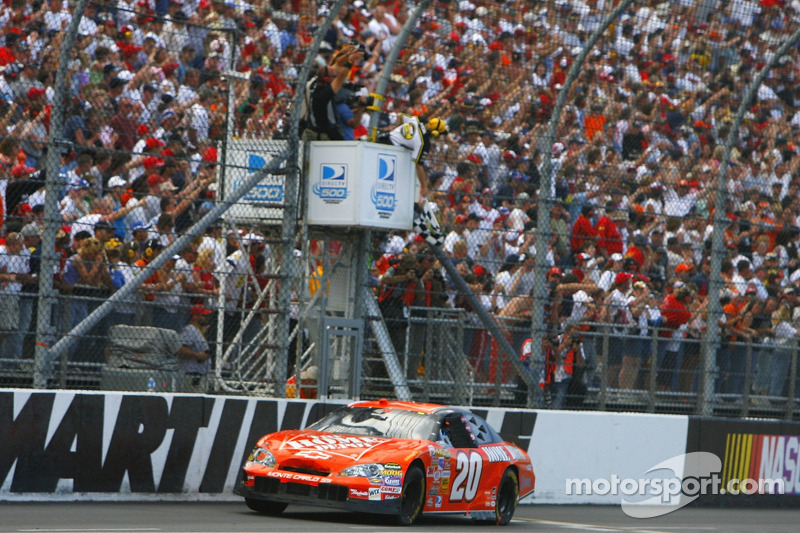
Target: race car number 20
468	477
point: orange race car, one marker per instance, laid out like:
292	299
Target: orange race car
388	457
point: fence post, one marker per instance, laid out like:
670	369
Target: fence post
544	200
52	220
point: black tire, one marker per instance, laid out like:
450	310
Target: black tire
507	498
413	498
265	506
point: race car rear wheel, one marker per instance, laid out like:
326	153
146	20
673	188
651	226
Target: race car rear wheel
413	497
507	498
265	506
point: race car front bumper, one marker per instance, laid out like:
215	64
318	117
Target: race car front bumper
323	494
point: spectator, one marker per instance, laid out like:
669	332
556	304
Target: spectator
87	275
14	271
193	356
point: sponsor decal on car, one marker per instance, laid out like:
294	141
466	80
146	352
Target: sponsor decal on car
444	485
430	501
497	454
437	474
439	452
391	472
391	490
390	496
431	470
331	442
438	501
515	453
393	481
392	466
359	493
298	477
374	493
375	481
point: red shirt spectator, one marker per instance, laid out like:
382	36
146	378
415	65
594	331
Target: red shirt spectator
609	239
674	311
583	229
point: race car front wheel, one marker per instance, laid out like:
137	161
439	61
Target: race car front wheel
507	497
265	507
413	497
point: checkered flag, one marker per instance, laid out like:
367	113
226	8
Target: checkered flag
426	225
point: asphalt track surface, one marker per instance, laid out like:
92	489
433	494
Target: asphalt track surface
157	517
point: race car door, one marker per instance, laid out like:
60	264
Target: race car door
465	475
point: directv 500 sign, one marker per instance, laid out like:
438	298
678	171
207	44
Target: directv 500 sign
383	194
332	185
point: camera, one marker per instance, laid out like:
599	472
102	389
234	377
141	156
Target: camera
363	49
349	95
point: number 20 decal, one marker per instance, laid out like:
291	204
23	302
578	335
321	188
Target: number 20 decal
468	477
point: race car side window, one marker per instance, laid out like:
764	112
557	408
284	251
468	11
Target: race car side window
484	434
454	430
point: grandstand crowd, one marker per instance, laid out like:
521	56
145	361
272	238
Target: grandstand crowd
639	145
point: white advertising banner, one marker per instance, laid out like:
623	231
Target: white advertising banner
570	449
357	183
264	202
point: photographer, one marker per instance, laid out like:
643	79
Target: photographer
396	293
564	359
322	124
349	107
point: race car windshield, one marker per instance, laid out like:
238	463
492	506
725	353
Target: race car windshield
379	422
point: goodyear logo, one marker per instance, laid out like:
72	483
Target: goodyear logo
332	186
384	195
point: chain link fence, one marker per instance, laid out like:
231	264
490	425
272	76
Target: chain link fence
594	154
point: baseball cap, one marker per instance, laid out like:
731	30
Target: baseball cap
616	257
140	226
116	181
19	170
168	113
152	161
31	230
77	184
103	225
554	271
200	310
154	179
683	267
152	142
622	277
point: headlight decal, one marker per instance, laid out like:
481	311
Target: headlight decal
264	457
368	470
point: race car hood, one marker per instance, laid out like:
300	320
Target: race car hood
330	452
